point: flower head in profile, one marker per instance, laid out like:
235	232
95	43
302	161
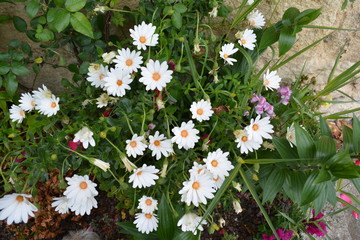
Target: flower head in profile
259	129
100	164
16	114
144	177
160	145
117	81
271	80
247	39
85	136
290	135
185	135
108	57
96	75
146	222
48	106
144	35
197	190
190	222
155	75
256	19
226	51
218	164
347	199
199	169
27	102
201	110
245	144
42	93
218	181
61	204
147	204
135	146
128	60
102	101
16	208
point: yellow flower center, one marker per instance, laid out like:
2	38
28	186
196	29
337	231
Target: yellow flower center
184	133
252	22
139	173
53	104
156	76
214	163
243	41
119	83
129	62
133	144
148	215
255	127
101	76
226	56
22	113
157	143
142	39
32	103
20	199
83	185
266	82
200	111
196	185
148	202
244	138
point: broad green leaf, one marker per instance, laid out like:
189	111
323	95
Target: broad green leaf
25	47
304	143
224	10
19	24
311	190
180	8
125	105
320	201
273	184
4	68
340	158
11	84
283	147
307	16
81	24
44	35
14	43
167	225
286	40
291	14
176	19
325	148
5	56
269	37
348	138
186	235
356	182
58	19
331	193
5	18
130	228
59	3
324	128
356	134
294	185
19	69
32	8
346	171
17	56
323	176
74	5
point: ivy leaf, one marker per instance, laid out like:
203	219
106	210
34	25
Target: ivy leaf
4	68
74	5
32	8
19	69
19	24
11	84
81	24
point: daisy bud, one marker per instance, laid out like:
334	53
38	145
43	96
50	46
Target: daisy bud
222	222
164	168
103	134
160	104
94	67
237	207
128	164
214	12
237	186
101	9
255	177
99	163
108	57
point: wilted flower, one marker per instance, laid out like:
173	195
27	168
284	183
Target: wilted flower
214	12
190	222
108	57
85	136
290	135
99	8
237	206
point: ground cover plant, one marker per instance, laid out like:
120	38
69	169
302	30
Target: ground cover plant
170	116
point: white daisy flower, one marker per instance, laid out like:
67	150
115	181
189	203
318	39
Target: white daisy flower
85	136
135	146
160	145
48	106
290	135
80	193
249	2
108	57
259	129
61	204
144	35
127	60
245	144
218	164
190	222
185	135
226	51
41	93
155	75
197	189
117	81
102	101
271	80
199	169
144	176
218	182
97	75
201	110
147	204
16	114
256	19
27	102
248	39
16	208
146	222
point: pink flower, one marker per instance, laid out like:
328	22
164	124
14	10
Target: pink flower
313	229
74	145
284	93
262	106
266	237
347	199
357	162
171	65
21	159
283	235
355	214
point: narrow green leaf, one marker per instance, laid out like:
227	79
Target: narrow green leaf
307	16
311	190
273	184
356	134
356	182
19	24
286	40
283	147
304	143
325	148
74	5
130	228
340	114
186	235
32	8
166	228
352	207
324	128
11	84
81	24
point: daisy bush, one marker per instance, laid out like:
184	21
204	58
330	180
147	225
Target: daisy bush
174	117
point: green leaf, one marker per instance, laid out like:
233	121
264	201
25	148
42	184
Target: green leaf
14	43
81	24
44	35
4	68
324	128
307	16
130	228
58	19
59	3
340	158
180	8
11	84
283	147
25	47
356	182
74	5
17	56
5	19
224	11
186	235
304	143
176	19
291	14
311	190
331	193
5	56
19	69
19	24
323	176
346	171
356	134
348	138
286	40
166	228
320	201
269	37
294	185
32	8
325	148
273	184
